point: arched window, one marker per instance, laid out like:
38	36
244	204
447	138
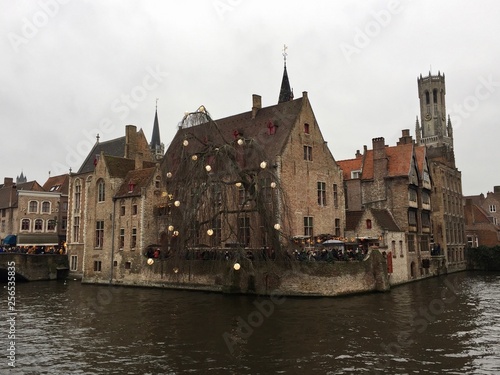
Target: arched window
427	98
435	96
100	191
25	224
51	225
33	207
38	224
45	207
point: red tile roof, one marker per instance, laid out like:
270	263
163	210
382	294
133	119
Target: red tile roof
350	165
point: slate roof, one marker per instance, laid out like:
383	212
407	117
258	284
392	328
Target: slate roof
383	218
352	219
139	178
286	93
155	137
256	131
114	147
118	167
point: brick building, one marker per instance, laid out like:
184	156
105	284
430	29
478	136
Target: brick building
376	227
95	222
395	179
256	179
33	215
482	219
436	133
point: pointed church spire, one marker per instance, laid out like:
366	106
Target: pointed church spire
156	145
286	93
417	132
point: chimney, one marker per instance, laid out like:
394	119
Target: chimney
130	141
378	144
379	158
256	104
406	138
139	164
358	154
8	181
496	189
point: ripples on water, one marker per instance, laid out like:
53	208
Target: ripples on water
418	328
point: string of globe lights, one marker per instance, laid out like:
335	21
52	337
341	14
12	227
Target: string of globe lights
204	167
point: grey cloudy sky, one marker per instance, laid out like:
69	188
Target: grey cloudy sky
71	69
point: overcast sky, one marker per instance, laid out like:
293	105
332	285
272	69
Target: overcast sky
72	69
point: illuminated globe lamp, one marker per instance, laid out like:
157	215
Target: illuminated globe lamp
263	165
273	184
176	233
177	203
277	226
194	157
241	141
238	184
150	261
208	168
210	232
185	142
236	266
169	174
170	228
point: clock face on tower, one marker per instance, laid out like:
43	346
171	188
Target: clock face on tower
428	116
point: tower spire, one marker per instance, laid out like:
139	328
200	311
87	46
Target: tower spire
156	145
286	93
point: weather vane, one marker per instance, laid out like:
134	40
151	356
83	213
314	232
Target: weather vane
156	103
284	52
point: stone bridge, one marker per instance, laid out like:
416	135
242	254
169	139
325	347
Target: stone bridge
31	267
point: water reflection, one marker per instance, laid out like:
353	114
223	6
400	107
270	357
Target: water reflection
442	325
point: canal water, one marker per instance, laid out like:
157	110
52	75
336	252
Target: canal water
445	325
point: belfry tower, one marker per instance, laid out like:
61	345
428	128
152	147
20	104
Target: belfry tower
436	133
435	130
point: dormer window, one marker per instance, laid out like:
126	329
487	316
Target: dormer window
356	174
131	186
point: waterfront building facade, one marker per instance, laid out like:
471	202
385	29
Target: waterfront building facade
395	179
92	231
